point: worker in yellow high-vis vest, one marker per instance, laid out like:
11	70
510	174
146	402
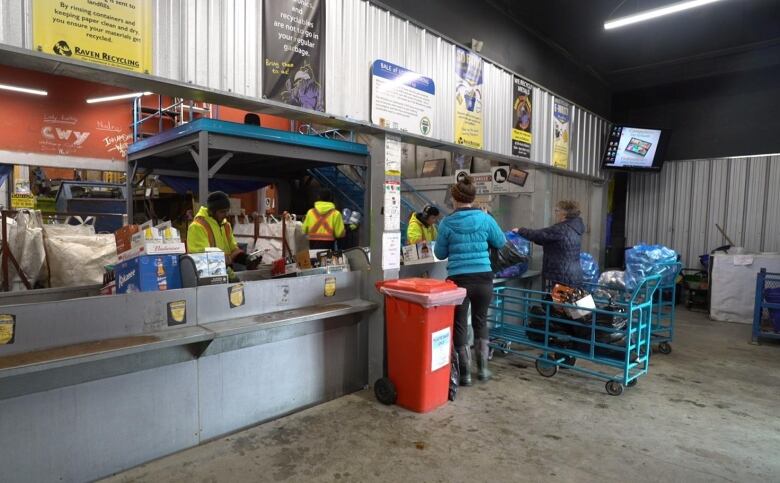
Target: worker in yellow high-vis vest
323	223
211	229
422	225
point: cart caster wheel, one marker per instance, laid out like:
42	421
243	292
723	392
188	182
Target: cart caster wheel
665	348
632	382
546	369
385	392
614	388
568	360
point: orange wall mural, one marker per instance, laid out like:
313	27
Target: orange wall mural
62	123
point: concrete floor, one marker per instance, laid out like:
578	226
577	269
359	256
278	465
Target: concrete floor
707	412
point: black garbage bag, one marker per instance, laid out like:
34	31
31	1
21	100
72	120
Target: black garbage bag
536	320
507	256
454	374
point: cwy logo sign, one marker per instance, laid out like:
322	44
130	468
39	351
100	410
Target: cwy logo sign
54	133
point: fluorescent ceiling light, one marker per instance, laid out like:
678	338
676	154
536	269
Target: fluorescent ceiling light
656	12
117	97
24	90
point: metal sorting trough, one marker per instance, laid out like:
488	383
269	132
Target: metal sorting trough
615	337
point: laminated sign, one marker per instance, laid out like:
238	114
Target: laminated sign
293	53
440	349
236	295
521	118
109	32
7	327
561	135
468	98
401	99
177	313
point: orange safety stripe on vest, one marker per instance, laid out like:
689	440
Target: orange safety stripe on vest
206	226
321	223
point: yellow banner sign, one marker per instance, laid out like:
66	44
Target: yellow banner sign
468	98
116	33
22	200
561	135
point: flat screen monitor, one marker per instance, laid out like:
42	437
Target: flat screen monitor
635	148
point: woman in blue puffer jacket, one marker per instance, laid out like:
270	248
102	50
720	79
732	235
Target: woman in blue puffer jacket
464	239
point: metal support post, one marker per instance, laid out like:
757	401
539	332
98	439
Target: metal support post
203	167
375	190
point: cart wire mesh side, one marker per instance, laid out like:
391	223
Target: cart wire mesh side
766	314
615	336
664	307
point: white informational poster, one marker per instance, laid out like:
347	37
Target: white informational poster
500	177
392	205
393	155
440	349
483	183
401	99
391	250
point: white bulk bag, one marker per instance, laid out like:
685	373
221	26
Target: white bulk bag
25	240
79	259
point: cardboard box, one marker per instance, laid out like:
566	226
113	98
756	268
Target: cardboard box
148	273
210	267
153	248
124	237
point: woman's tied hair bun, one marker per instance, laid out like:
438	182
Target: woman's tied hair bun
464	191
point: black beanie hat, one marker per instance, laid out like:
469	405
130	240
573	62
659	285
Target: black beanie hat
218	201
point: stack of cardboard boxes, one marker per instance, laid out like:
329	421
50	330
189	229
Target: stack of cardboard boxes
148	258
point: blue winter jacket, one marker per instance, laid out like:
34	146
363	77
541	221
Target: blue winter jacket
464	238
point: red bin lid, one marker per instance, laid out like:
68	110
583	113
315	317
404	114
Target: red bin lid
418	285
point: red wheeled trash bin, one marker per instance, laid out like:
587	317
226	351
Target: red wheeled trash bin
419	314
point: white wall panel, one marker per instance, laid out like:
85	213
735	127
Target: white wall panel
680	206
541	127
496	110
15	23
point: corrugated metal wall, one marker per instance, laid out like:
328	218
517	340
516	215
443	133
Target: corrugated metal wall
218	44
16	22
680	206
574	189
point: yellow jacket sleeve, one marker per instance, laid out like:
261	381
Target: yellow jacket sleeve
307	222
232	242
197	239
338	225
414	232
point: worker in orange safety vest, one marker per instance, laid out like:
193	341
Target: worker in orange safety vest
324	223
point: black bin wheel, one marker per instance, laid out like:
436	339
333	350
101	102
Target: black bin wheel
632	382
545	368
614	388
385	392
665	348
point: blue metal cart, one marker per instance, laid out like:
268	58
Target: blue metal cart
615	338
767	302
664	305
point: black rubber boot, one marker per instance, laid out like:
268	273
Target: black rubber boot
483	353
464	365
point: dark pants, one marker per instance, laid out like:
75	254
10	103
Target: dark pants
479	293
